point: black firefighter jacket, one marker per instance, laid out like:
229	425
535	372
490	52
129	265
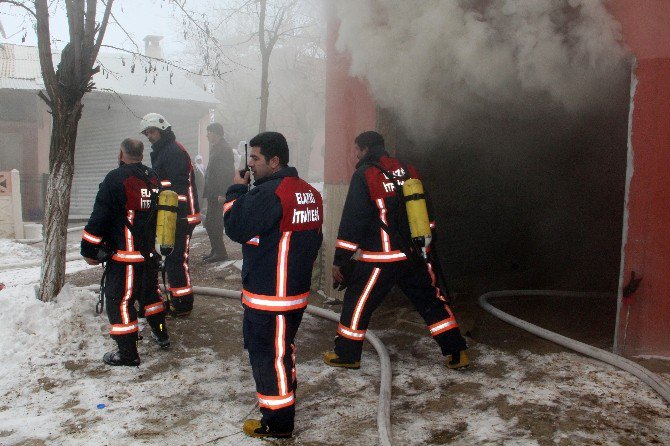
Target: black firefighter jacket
120	215
279	224
371	219
173	164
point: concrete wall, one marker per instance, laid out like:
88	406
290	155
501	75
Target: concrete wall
643	326
11	222
350	110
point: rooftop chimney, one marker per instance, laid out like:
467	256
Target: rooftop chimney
152	46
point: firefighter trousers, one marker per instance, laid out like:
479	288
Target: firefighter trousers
369	285
126	283
269	340
176	268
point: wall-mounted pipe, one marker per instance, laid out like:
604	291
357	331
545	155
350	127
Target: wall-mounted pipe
653	380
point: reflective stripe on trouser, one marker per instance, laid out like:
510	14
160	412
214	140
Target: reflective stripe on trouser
369	286
126	283
176	267
269	339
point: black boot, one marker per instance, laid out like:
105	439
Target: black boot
116	358
162	339
159	331
127	353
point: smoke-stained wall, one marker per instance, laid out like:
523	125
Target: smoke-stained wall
516	112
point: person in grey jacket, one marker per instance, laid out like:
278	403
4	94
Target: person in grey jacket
218	177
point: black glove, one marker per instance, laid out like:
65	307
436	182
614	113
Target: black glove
346	270
104	254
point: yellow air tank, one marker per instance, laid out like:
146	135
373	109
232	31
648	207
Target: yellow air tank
166	221
417	212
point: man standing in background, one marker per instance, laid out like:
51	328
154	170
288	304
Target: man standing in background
217	179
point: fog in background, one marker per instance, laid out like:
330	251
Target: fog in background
224	60
437	64
297	72
516	112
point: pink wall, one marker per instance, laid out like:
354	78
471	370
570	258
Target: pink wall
643	325
350	110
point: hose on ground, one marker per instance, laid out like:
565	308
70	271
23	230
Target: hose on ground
648	377
384	406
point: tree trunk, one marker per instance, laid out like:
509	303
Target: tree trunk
265	92
57	209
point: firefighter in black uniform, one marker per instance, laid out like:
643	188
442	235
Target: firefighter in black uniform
279	224
371	232
121	231
173	164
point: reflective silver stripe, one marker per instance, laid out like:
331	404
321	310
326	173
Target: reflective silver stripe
351	333
153	307
273	402
91	238
182	197
280	351
181	291
400	255
255	240
442	326
129	256
166	183
227	206
346	245
123	329
275	303
282	261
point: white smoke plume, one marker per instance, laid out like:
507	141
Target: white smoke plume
436	63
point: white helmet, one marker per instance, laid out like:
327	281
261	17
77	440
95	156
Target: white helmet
153	120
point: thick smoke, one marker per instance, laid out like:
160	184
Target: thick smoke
435	63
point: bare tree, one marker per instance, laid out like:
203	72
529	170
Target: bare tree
273	20
65	88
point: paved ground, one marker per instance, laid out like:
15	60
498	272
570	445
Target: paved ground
520	390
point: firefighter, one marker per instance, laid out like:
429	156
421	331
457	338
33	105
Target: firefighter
278	224
173	164
121	232
373	254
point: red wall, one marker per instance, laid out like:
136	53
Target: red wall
643	325
350	110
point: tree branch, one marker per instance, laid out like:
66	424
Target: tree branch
20	5
101	31
167	62
137	48
75	18
44	48
205	32
89	25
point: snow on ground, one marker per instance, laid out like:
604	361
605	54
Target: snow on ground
54	390
20	263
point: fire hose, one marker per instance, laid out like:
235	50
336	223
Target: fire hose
648	377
